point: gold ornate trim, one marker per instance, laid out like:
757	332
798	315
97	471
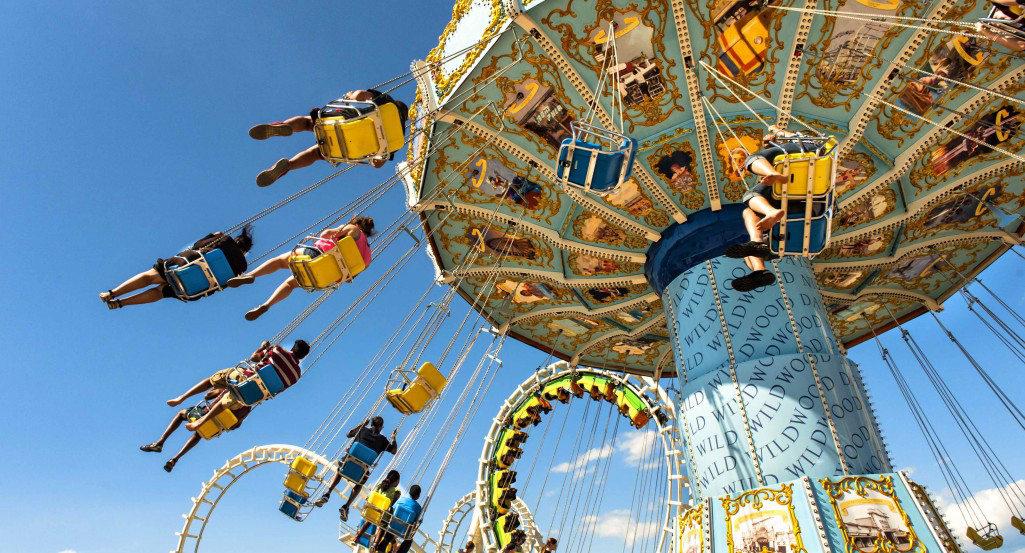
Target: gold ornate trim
863	487
756	499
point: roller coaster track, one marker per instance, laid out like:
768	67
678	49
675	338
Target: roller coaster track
213	490
457	515
655	399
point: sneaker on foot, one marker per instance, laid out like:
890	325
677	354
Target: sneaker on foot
169	466
753	281
740	251
343	513
267	177
267	130
151	448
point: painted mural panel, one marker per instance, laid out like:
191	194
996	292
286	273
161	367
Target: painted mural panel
870	516
763	520
642	72
691	532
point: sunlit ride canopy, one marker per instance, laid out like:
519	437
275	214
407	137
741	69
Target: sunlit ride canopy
920	208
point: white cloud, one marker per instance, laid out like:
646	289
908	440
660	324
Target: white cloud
993	507
637	445
584	460
618	524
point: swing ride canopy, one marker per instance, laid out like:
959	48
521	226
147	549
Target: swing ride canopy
920	207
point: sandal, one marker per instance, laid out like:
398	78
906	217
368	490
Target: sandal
114	304
240	280
255	312
151	448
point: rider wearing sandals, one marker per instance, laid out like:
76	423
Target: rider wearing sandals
763	212
234	248
306	122
211	397
371	437
216	387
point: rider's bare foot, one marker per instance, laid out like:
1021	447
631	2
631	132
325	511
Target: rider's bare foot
770	220
175	402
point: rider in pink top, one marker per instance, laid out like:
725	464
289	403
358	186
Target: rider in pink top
359	228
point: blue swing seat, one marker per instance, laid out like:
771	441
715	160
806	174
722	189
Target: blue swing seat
200	277
817	235
358	463
812	175
371	531
263	384
596	160
291	503
403	522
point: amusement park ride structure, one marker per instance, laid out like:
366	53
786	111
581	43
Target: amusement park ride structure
574	170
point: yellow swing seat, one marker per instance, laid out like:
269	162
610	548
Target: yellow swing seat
376	508
340	263
988	539
1018	524
213	427
299	473
821	163
357	140
807	197
426	387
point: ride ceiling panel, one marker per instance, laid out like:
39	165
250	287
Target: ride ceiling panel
649	75
583	266
672	160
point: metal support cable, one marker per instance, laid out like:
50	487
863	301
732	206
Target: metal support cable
1013	409
955	481
980	446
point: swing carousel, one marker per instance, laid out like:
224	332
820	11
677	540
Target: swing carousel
574	172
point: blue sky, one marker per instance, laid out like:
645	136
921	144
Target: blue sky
126	139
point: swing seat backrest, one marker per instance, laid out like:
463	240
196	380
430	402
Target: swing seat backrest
349	140
356	465
403	521
291	503
575	158
1012	27
263	384
340	263
988	541
740	50
217	425
376	507
299	474
821	166
427	385
818	231
200	277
